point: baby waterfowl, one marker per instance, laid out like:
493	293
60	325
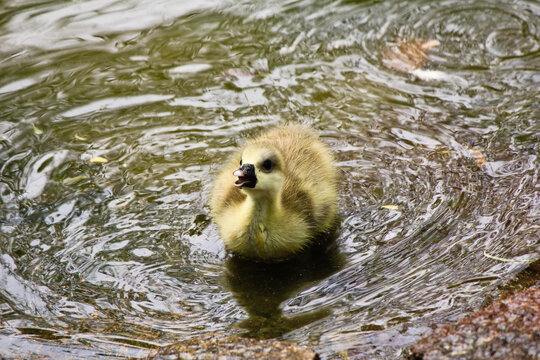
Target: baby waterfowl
276	194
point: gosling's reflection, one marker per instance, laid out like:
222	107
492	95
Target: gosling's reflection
260	288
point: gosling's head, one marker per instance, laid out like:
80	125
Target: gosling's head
261	170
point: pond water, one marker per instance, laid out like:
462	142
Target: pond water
438	163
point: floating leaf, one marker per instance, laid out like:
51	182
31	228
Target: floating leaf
81	138
390	207
477	155
99	159
505	259
37	130
407	54
73	180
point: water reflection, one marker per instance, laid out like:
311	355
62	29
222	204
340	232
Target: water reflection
261	289
60	25
437	171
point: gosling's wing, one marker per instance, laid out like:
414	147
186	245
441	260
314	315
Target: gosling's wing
310	177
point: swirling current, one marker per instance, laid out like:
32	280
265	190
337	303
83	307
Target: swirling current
115	116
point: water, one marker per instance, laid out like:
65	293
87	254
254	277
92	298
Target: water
99	260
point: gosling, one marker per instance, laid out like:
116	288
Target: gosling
276	194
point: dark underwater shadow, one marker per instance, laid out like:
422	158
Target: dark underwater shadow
260	288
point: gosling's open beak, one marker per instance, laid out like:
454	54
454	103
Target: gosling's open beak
246	176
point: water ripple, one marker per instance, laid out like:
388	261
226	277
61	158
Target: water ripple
437	162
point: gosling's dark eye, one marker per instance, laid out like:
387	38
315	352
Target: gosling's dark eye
267	165
240	162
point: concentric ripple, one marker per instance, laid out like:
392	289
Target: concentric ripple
110	136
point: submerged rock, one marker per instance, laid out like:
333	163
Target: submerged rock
508	329
231	347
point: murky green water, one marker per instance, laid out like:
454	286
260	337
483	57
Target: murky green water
105	259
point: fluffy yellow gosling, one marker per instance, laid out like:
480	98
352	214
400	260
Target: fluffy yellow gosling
276	194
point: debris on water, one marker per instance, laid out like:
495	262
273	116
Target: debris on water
98	159
390	207
408	54
477	155
73	180
430	43
508	329
222	346
527	261
37	130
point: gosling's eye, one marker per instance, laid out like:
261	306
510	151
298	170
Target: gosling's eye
240	162
267	165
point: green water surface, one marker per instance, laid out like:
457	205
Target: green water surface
438	168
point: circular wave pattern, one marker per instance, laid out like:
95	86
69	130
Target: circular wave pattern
438	168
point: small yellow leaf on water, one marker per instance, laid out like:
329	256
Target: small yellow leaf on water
99	159
390	207
479	158
80	137
37	130
74	179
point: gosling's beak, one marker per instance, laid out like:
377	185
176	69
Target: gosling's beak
246	176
